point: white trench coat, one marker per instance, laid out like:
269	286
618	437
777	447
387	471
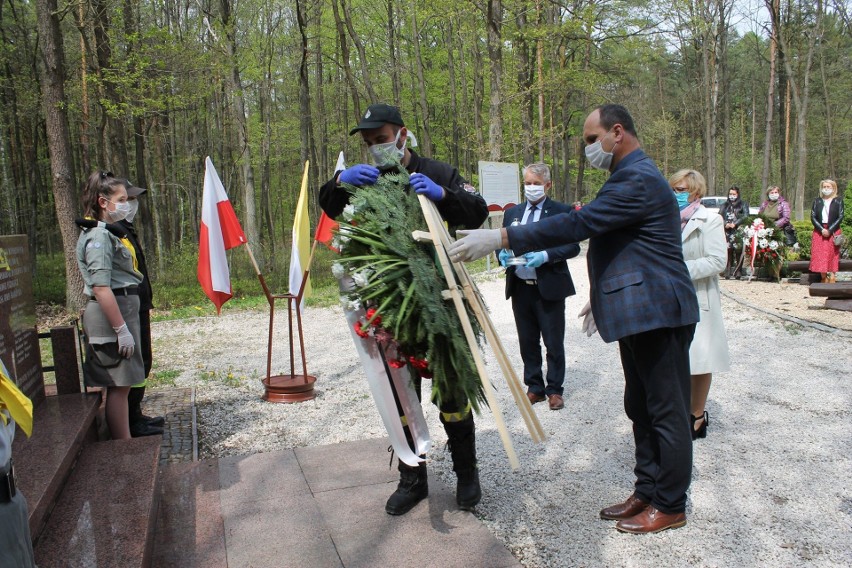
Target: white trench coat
705	252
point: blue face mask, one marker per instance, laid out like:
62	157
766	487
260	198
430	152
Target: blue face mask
682	200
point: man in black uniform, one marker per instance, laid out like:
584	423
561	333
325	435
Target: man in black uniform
385	134
141	425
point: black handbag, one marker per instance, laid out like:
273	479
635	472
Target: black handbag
790	235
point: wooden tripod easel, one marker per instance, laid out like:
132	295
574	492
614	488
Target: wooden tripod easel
439	236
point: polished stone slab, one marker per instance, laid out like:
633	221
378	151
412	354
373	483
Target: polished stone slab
61	425
190	530
105	515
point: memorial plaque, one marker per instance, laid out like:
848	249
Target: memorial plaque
19	348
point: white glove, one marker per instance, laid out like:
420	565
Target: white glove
475	244
126	344
589	327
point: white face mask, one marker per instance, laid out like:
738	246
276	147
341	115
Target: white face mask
533	192
387	154
134	207
773	196
826	191
120	212
598	157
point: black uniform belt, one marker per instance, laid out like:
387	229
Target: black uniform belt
530	282
7	485
129	291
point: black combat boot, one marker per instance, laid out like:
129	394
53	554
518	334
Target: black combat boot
462	441
413	487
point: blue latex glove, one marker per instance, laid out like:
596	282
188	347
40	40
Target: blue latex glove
535	259
504	257
424	186
359	174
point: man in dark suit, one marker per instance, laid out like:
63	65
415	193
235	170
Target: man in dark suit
641	296
538	290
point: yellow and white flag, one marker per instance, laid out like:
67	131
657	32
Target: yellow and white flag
301	242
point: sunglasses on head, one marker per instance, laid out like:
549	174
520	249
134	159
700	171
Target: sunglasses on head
105	175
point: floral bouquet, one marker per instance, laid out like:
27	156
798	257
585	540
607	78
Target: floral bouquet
399	283
763	244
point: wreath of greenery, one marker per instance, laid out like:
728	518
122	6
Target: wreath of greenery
400	282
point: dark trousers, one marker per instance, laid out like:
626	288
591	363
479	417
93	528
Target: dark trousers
134	398
537	318
656	399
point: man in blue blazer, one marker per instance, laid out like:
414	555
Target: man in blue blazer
641	296
538	290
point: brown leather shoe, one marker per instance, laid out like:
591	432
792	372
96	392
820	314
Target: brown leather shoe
630	508
534	398
651	521
555	401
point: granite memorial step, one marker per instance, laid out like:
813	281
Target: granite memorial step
106	513
61	426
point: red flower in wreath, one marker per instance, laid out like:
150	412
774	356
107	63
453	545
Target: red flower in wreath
373	317
359	329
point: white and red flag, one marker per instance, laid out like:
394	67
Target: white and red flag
220	231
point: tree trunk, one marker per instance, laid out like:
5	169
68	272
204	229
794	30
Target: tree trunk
59	145
241	121
493	20
362	54
345	58
773	6
425	137
524	86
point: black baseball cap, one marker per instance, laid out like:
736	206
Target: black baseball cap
132	190
378	115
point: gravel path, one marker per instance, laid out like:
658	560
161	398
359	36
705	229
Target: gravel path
770	483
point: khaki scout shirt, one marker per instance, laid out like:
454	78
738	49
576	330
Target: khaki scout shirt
105	261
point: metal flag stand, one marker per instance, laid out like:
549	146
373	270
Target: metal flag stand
290	387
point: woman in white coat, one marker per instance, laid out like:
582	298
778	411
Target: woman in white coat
705	253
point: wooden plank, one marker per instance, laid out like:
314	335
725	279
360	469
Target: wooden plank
474	298
840	290
435	227
835	304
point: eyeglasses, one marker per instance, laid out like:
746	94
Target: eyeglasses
105	175
681	189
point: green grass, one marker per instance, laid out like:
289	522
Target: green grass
160	379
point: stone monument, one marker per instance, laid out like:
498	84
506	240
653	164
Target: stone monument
19	347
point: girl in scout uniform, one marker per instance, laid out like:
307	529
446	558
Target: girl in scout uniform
111	317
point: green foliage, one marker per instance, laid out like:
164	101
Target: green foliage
49	279
400	281
804	234
846	224
165	378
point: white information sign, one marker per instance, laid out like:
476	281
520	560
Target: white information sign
499	184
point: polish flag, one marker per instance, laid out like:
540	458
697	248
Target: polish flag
326	224
220	231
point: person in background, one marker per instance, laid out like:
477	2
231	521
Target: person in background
826	217
111	317
776	208
641	296
734	211
704	252
141	425
578	205
16	546
538	290
384	132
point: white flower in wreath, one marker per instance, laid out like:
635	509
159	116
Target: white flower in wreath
773	245
349	213
362	278
763	243
338	270
350	304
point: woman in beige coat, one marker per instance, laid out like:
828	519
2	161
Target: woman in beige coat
705	253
